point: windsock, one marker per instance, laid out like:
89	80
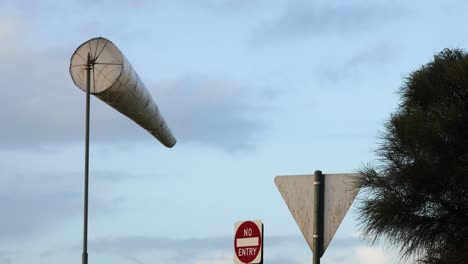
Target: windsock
114	81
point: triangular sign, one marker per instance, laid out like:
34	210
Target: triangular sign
298	193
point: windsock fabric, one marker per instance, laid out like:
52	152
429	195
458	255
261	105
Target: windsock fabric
114	81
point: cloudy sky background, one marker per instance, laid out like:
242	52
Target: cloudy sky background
251	89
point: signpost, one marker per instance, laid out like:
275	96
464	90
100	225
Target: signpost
318	203
248	242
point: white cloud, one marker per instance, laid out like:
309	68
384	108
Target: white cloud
206	110
45	108
216	258
306	18
8	28
36	202
371	255
361	254
11	27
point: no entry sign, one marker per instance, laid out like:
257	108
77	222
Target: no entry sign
248	242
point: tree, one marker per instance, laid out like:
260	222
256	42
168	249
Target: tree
417	194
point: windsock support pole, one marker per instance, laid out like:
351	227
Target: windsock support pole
84	257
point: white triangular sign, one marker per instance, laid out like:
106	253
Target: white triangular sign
298	193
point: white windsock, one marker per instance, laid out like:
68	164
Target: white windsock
114	81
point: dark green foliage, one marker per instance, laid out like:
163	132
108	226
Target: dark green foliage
417	197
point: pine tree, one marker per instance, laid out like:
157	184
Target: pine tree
417	194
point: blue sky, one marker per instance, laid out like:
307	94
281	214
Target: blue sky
251	90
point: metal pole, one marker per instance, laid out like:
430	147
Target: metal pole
319	184
84	257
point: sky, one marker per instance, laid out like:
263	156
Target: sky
250	89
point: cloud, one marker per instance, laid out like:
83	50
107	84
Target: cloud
200	250
5	256
220	258
304	19
132	259
371	255
226	6
344	242
285	260
197	110
31	204
10	26
378	54
361	255
209	111
136	244
25	214
179	249
141	248
36	202
37	104
42	106
32	6
115	3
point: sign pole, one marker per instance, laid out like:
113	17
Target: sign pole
319	185
84	257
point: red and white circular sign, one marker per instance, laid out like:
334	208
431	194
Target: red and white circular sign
248	242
